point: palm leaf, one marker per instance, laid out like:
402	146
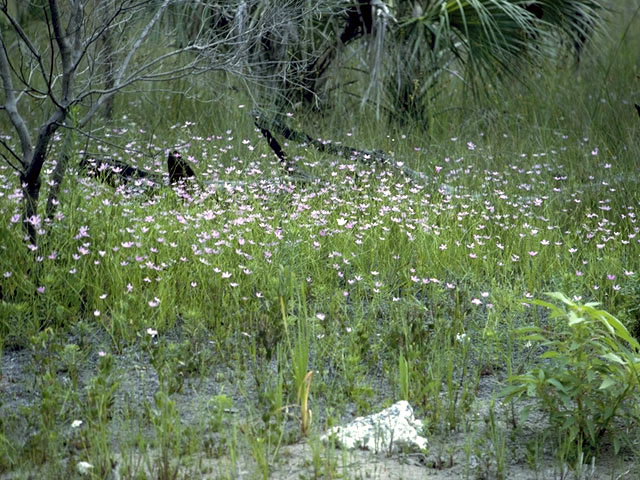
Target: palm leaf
488	40
574	19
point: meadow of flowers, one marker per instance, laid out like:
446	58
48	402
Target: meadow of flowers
489	230
343	276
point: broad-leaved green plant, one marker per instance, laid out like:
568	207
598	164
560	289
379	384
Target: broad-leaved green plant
589	366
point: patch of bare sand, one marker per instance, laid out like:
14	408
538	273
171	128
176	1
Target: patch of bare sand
311	460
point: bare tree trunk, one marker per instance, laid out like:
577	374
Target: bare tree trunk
59	171
57	177
82	54
359	23
31	192
30	179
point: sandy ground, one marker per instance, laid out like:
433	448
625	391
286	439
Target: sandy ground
459	455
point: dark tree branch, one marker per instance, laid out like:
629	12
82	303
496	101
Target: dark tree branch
275	146
13	154
11	103
290	168
115	172
25	38
72	30
17	169
365	156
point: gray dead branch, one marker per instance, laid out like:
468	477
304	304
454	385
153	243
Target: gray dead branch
379	157
116	172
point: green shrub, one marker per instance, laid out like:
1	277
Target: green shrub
589	367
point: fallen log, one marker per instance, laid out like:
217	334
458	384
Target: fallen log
365	156
116	172
290	168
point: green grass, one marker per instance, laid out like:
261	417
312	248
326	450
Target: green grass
249	289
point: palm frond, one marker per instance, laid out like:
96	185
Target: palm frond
488	40
576	20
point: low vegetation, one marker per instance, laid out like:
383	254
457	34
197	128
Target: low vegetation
149	330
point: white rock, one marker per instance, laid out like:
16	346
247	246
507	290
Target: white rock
390	430
84	468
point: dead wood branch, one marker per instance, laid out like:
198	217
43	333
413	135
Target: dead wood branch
116	172
291	169
365	156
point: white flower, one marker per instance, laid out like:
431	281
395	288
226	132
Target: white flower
76	423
